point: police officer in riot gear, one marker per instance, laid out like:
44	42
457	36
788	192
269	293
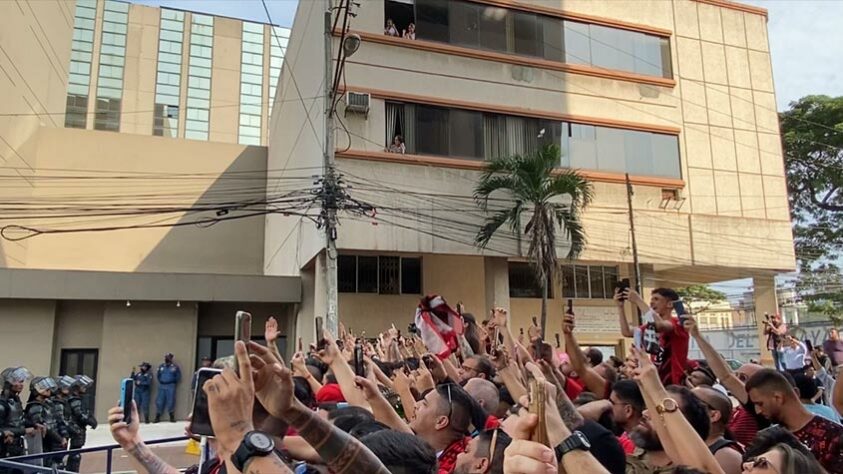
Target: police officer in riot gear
80	418
143	389
169	375
40	413
66	384
13	426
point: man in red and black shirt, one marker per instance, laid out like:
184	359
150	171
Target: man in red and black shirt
775	399
442	419
661	335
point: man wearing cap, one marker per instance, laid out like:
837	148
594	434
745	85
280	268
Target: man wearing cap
169	375
143	387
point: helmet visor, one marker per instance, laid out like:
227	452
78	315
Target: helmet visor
18	375
66	382
43	384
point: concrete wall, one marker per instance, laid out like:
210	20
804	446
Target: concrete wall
296	143
176	173
225	81
27	336
139	74
33	82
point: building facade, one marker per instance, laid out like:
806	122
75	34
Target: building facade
677	94
150	122
172	73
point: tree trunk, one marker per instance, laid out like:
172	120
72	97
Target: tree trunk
544	308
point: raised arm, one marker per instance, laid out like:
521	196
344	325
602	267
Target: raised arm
381	408
685	446
300	369
274	388
593	381
626	331
128	437
271	334
344	374
718	365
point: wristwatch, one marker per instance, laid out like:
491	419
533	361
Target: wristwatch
577	440
668	405
255	443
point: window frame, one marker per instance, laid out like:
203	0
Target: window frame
377	290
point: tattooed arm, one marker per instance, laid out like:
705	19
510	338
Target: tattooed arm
129	439
341	452
146	458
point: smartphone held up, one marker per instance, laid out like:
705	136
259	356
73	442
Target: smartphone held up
200	420
127	394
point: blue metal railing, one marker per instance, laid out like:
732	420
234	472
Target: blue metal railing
18	462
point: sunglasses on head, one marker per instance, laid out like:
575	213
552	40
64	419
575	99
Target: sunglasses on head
760	462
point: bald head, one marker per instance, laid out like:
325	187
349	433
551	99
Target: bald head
746	371
485	392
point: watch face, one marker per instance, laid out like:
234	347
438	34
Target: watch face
670	405
585	442
261	442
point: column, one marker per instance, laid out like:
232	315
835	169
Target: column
497	284
764	288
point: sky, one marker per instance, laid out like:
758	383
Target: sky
802	37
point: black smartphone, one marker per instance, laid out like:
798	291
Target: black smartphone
359	368
622	286
809	345
242	331
558	344
679	307
320	340
535	322
200	420
570	306
127	394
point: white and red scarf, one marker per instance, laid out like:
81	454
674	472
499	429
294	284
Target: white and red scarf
439	324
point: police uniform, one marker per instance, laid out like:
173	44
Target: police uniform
80	418
41	412
143	389
12	420
169	375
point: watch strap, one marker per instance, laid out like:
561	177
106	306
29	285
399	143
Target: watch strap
575	441
246	451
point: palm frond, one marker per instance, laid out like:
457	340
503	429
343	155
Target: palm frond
494	222
571	183
569	219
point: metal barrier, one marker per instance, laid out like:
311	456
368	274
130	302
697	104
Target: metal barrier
17	462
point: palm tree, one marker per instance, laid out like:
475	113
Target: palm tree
533	184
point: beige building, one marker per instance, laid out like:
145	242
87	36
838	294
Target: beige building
678	94
190	96
714	315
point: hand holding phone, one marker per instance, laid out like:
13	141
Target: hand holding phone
359	367
200	420
570	306
320	338
127	394
242	331
537	407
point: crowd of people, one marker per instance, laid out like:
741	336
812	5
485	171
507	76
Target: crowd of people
457	394
54	417
461	394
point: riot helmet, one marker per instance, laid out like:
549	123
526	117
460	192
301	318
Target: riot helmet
42	385
83	383
14	378
66	383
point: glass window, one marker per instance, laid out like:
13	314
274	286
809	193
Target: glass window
610	280
411	276
172	15
171	68
83	35
83	23
610	149
175	36
252	27
596	281
77	111
116	17
113	6
568	284
367	274
203	19
81	56
577	43
85	12
169	58
526	33
466	128
204	30
115	27
463	21
107	114
522	281
249	131
553	44
347	274
493	26
256	38
432	20
198	71
581	281
432	123
200	62
196	134
389	274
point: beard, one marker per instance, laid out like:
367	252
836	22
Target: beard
646	439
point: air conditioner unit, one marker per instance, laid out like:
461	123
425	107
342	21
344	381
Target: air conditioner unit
357	102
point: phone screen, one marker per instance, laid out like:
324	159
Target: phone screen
359	369
200	421
570	306
679	307
242	331
320	340
127	393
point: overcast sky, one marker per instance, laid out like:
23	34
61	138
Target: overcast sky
805	37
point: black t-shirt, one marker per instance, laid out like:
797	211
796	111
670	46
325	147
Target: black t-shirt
605	447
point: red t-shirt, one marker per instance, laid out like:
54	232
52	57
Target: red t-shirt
671	353
743	426
825	439
448	457
573	388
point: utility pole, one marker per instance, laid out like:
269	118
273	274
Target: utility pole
635	263
329	201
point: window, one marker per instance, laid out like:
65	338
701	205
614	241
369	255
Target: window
198	76
588	281
386	275
168	80
474	25
251	84
470	134
79	73
112	59
523	282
